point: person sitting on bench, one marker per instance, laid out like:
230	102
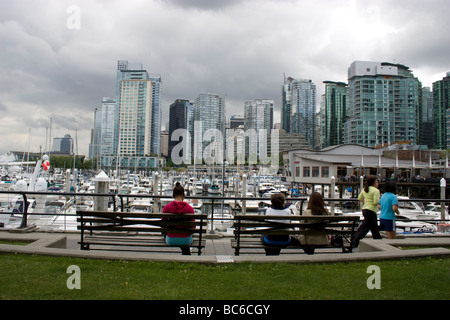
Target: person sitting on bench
277	209
178	206
316	207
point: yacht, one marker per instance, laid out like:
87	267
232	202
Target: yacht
167	193
250	204
265	187
214	189
195	203
142	205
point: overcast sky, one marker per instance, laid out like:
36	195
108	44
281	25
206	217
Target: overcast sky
50	68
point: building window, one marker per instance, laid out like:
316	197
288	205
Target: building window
306	171
315	172
297	171
325	172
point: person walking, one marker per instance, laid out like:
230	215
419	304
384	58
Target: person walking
389	207
370	197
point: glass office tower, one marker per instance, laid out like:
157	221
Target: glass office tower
137	118
441	107
209	112
334	112
298	111
385	104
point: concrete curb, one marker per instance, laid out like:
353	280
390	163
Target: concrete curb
64	244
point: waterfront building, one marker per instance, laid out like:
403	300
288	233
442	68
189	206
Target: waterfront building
164	143
334	109
63	145
291	141
385	104
108	110
208	114
155	137
137	119
298	111
96	134
346	161
180	117
258	115
236	121
426	134
441	107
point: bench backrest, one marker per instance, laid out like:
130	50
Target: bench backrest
293	224
141	222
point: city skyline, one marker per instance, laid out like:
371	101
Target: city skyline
239	49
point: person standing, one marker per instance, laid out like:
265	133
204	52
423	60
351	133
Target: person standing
370	197
389	207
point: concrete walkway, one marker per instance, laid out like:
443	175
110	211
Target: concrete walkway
218	250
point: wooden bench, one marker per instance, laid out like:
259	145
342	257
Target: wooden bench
249	230
137	231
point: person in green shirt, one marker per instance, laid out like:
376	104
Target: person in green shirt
370	197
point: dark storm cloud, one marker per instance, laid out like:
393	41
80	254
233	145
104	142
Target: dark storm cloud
237	48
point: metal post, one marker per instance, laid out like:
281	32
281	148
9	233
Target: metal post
331	194
212	216
244	194
155	193
23	223
443	186
361	188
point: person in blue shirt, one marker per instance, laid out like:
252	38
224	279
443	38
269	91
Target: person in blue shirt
389	207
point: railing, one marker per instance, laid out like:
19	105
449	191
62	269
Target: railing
120	202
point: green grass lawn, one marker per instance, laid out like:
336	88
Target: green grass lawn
40	277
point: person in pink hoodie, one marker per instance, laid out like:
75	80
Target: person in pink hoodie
178	206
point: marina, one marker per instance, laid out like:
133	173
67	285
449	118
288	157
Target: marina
53	208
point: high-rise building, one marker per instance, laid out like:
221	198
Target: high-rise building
426	132
258	115
96	134
236	121
441	107
178	119
334	113
155	138
107	126
209	112
63	145
298	111
135	117
137	129
385	104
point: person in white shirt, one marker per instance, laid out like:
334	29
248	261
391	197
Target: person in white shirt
277	208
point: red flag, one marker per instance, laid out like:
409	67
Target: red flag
46	165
